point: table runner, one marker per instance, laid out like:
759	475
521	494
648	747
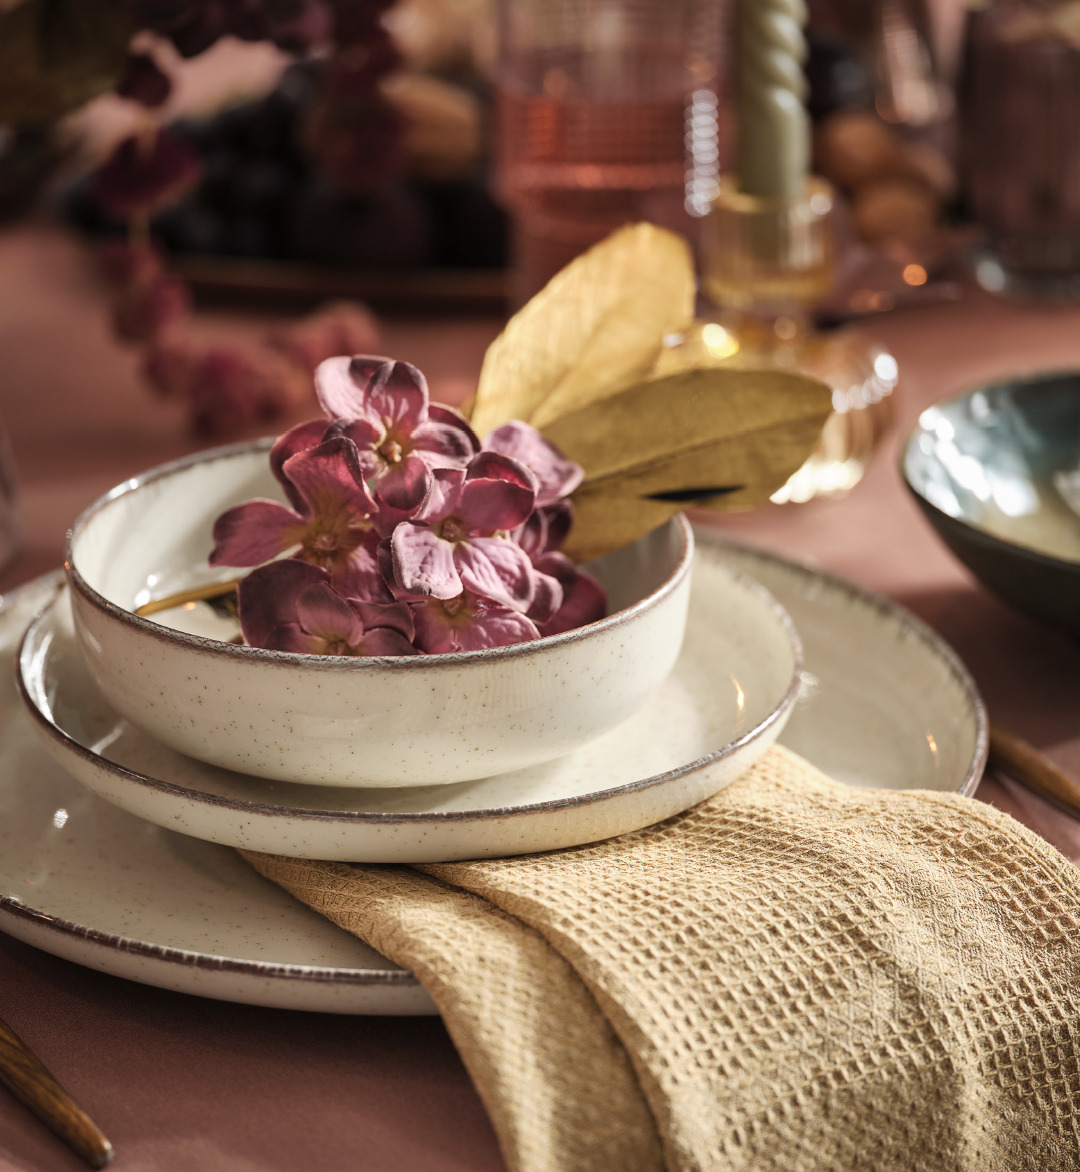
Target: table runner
792	975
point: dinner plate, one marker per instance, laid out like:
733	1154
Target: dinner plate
733	686
887	705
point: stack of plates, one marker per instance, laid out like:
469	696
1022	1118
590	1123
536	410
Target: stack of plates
115	851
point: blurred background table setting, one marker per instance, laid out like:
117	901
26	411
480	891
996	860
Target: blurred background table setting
810	272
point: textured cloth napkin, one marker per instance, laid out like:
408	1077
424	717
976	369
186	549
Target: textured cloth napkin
792	975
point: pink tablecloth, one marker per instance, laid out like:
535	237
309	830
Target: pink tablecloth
181	1082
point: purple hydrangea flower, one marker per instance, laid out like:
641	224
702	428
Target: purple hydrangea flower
468	622
291	606
333	523
383	407
582	599
556	476
460	540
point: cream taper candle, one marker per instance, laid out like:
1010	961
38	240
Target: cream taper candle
773	130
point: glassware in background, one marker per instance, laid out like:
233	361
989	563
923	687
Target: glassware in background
10	526
609	111
766	261
1020	144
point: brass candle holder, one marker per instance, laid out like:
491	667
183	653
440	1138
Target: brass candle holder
765	261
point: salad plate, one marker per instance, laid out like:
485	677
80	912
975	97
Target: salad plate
886	704
733	687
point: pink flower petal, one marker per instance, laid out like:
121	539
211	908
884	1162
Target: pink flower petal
423	562
291	637
488	506
557	476
398	395
403	487
358	575
440	414
547	599
497	569
297	439
557	520
324	613
366	435
394	616
329	479
445	493
470	624
255	532
584	599
444	445
384	641
340	384
267	600
494	466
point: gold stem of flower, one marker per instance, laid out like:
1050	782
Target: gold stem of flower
197	594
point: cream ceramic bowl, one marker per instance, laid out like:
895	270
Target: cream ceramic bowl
347	721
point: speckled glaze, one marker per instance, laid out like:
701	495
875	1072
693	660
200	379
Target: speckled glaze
731	691
329	720
996	471
886	705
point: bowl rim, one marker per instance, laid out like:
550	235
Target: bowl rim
245	654
977	532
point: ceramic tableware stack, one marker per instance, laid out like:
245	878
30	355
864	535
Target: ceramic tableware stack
673	695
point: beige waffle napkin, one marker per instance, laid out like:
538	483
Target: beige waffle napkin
792	975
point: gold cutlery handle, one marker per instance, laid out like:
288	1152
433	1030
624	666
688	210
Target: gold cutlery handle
1024	763
25	1075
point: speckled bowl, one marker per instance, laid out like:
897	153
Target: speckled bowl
329	720
997	473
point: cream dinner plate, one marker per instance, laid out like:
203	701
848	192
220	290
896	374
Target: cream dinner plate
733	687
885	704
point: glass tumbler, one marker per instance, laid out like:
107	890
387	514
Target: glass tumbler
1020	144
608	112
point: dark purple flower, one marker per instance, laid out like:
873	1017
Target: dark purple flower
460	541
383	407
468	622
556	476
141	175
332	526
290	606
582	599
144	82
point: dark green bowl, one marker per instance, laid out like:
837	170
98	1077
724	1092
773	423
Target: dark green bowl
997	472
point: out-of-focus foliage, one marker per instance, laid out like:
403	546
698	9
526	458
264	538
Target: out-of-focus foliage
57	54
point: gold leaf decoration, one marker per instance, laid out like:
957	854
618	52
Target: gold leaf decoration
594	329
719	437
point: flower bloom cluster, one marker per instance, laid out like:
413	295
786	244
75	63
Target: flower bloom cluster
404	534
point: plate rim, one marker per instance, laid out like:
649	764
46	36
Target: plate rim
886	606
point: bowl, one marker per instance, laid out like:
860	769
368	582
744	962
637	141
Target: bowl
331	720
997	473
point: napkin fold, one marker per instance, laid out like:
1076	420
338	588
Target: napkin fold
792	975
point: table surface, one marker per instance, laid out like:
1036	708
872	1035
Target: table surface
179	1081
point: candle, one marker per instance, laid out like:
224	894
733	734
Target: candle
773	130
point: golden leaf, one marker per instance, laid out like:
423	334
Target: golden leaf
595	328
718	437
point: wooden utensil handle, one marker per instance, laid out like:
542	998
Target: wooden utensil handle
24	1074
1025	764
